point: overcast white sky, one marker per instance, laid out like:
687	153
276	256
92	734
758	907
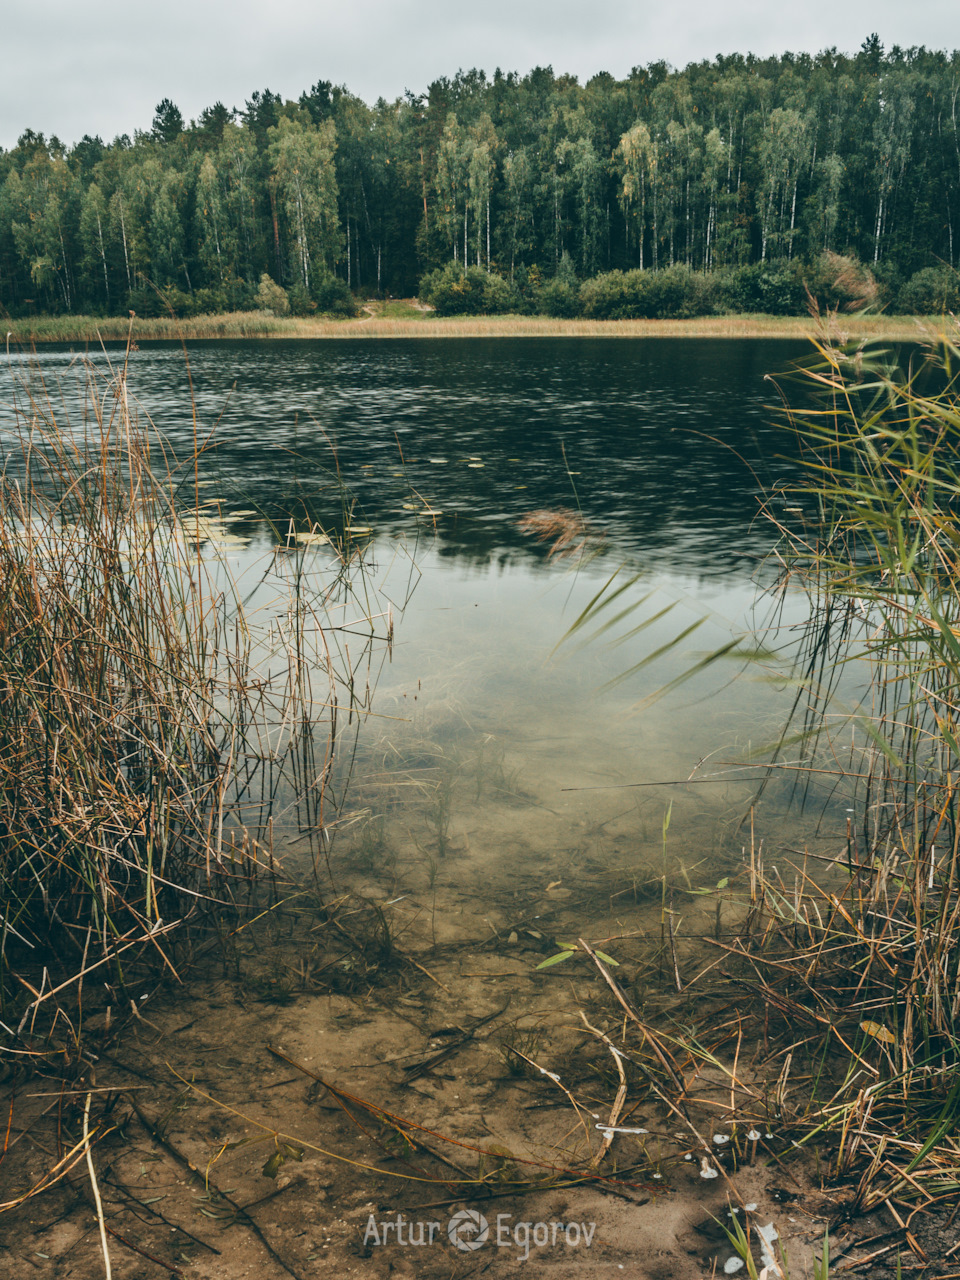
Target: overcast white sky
70	68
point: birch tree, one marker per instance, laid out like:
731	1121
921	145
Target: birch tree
302	161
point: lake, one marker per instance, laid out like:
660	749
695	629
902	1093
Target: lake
489	717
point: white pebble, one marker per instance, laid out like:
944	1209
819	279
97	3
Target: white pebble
732	1265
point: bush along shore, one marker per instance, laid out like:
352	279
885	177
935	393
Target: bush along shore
762	300
831	282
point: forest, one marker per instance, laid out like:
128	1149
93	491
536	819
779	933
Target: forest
727	185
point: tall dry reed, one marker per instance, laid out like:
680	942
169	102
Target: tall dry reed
862	958
152	726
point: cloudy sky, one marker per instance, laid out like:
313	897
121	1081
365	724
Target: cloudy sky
71	68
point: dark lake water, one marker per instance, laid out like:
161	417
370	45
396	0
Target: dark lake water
664	443
494	738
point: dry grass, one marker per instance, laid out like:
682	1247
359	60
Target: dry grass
564	529
856	965
151	724
403	320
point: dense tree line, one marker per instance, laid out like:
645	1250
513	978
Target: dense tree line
735	165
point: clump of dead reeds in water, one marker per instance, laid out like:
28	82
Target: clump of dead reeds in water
147	722
866	969
565	530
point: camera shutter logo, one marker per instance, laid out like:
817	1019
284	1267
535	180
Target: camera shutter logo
468	1230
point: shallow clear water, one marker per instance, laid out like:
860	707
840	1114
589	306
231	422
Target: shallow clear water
497	737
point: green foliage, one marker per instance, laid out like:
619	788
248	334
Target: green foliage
167	122
455	291
606	297
304	179
301	300
932	291
332	297
571	949
326	296
271	297
146	302
670	294
839	282
559	298
150	303
743	179
774	289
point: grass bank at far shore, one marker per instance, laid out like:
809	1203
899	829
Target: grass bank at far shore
402	319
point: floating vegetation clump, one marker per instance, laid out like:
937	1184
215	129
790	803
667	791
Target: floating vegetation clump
565	530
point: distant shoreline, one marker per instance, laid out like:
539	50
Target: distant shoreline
402	320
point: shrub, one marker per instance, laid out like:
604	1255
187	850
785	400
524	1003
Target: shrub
333	297
603	297
146	302
672	293
526	284
301	303
234	294
499	297
271	297
839	282
560	298
456	291
932	291
775	289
